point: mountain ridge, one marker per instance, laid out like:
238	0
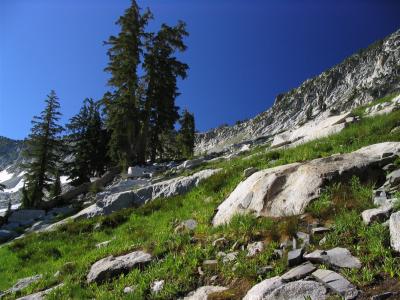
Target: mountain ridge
366	75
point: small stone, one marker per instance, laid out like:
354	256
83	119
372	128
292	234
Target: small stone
322	241
220	242
230	257
102	244
254	248
295	257
129	289
389	168
394	229
299	272
214	278
337	283
200	271
337	257
210	263
320	230
157	286
379	214
56	274
186	225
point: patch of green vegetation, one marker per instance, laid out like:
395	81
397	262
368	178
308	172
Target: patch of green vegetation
71	249
360	111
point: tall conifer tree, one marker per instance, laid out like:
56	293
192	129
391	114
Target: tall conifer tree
122	104
43	152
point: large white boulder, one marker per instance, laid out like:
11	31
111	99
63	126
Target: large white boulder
288	189
167	188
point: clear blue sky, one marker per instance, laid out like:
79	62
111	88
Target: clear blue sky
241	53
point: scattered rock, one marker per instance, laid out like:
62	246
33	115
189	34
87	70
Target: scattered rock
111	266
337	283
202	292
295	257
254	248
249	171
102	244
24	282
288	189
394	228
264	288
157	286
320	230
230	257
322	241
379	214
188	164
299	272
129	289
298	290
338	257
220	242
278	253
210	263
186	225
40	295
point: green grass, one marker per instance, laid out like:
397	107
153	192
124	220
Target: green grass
177	256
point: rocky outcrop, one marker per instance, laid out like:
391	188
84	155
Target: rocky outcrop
288	189
167	188
364	76
109	267
42	294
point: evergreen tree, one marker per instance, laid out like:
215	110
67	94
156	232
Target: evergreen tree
88	143
43	151
162	72
187	134
122	105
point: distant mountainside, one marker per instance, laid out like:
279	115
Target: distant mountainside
362	77
10	151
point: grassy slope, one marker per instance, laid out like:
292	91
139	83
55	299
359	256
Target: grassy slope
71	249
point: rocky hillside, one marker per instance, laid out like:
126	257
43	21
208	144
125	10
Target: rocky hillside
364	76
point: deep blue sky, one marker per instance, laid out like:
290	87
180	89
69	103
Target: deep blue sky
241	53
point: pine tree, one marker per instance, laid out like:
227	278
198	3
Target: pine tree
43	151
122	105
88	143
162	72
187	134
